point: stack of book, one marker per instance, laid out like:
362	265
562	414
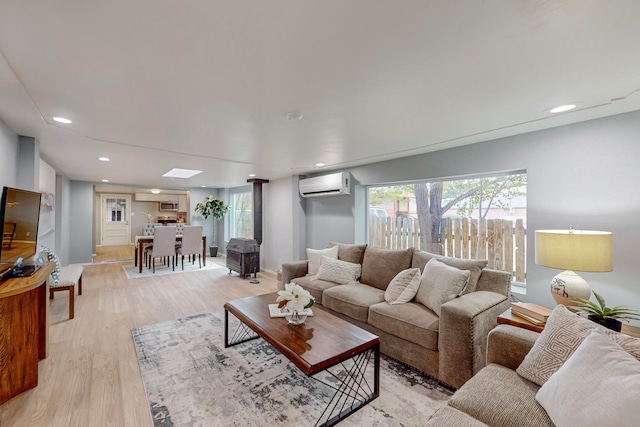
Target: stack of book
534	313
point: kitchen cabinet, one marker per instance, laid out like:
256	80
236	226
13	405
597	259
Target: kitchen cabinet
182	203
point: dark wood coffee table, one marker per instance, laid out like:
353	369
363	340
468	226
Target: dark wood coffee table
320	343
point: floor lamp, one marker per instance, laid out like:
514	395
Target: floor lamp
581	250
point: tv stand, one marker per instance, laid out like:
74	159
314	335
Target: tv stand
24	330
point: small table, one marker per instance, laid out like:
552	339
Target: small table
322	342
141	240
507	318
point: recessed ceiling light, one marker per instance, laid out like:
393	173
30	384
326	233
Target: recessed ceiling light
319	165
562	108
293	115
252	175
105	180
104	159
181	173
203	186
62	120
155	191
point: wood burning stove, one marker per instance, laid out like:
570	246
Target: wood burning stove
243	256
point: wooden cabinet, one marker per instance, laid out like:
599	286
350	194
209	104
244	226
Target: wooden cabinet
182	203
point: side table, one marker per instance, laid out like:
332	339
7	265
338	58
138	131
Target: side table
507	318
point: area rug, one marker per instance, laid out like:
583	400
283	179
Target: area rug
132	272
192	380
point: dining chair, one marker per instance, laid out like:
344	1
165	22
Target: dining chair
164	246
147	230
191	244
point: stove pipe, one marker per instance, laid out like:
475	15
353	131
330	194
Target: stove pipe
257	208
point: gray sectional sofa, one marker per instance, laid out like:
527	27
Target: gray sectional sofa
450	347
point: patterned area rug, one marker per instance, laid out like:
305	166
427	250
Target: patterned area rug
192	380
132	272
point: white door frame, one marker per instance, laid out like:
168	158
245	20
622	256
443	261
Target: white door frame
125	231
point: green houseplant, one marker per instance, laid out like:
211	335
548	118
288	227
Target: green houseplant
608	317
216	208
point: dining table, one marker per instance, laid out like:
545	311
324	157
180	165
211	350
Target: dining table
141	240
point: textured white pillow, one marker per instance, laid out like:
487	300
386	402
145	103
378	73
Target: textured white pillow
440	283
403	287
562	334
599	385
314	255
334	270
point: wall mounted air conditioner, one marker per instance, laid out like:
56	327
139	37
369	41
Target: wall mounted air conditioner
326	185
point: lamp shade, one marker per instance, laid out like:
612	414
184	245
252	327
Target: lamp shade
578	250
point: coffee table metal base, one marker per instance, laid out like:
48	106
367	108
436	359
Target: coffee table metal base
351	388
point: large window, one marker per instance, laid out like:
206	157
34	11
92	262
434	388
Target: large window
473	218
240	224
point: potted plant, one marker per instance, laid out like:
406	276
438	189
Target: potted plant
609	317
216	208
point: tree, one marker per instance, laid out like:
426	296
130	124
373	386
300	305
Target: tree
216	208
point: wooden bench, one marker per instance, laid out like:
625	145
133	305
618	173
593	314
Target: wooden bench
70	276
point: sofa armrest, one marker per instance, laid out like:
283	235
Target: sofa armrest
465	323
291	270
508	345
494	281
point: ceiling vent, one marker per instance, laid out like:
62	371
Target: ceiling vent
326	185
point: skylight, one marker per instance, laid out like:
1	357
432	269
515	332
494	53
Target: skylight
181	173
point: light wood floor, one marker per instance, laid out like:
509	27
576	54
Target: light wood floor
92	377
113	253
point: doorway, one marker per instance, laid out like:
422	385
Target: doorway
115	219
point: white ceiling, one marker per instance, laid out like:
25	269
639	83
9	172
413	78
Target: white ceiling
205	84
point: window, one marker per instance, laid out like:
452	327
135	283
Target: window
240	224
471	218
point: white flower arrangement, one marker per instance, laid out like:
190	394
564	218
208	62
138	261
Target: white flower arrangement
149	217
294	297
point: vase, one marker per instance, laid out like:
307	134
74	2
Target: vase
613	324
295	317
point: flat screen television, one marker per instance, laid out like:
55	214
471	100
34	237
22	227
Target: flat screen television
20	216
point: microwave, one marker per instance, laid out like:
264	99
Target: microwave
168	207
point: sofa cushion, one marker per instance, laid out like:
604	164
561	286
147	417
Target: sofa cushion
412	321
334	270
316	287
349	252
440	283
474	266
562	334
315	255
379	266
403	287
448	417
598	385
352	300
499	397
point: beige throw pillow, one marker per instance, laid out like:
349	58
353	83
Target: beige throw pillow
334	270
599	385
403	287
440	283
314	255
475	266
562	334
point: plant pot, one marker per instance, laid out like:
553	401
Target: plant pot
213	251
613	324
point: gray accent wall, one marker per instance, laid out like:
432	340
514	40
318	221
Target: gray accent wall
583	175
82	244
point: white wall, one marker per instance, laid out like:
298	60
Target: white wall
47	185
583	176
277	230
9	156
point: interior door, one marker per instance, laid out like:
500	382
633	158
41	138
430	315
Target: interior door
116	219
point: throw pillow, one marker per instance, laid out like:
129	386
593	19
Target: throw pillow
349	252
314	256
598	385
440	283
379	266
51	256
334	270
475	266
403	287
562	334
